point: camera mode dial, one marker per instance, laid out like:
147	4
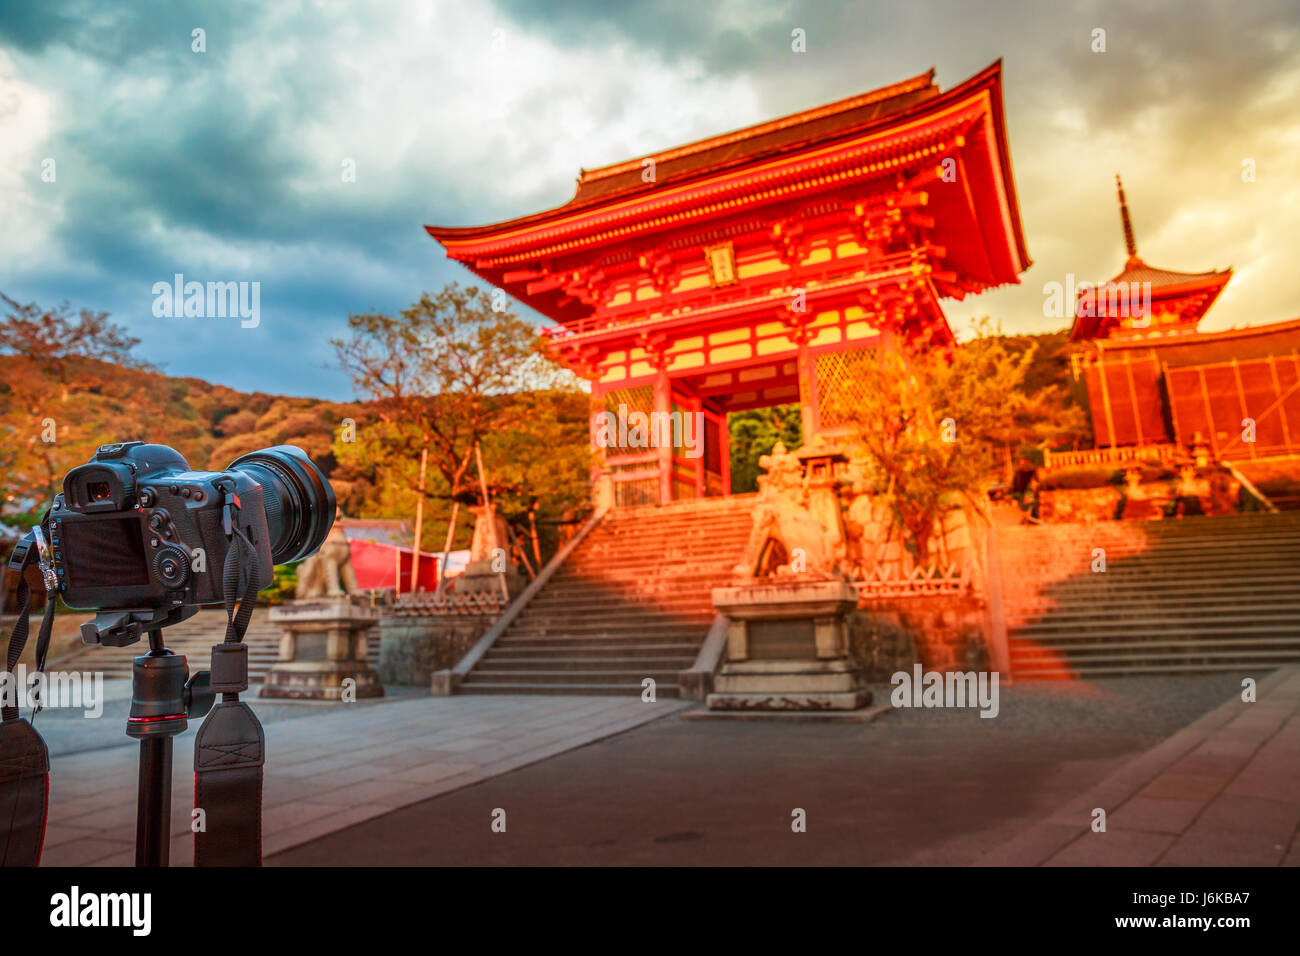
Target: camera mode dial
172	565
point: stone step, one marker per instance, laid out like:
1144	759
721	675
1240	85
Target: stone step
578	625
1280	595
624	676
1225	632
576	689
632	601
1054	624
557	650
1091	652
1152	667
610	639
1245	657
1178	596
509	665
1103	581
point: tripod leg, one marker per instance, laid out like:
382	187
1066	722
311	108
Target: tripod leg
153	821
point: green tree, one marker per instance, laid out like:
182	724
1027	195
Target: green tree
753	433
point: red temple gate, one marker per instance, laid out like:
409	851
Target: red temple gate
755	268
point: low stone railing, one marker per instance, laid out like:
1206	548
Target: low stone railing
1103	457
431	603
935	579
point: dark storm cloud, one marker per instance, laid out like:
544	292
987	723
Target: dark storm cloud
713	34
118	33
175	162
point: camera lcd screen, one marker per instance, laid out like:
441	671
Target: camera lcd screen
105	553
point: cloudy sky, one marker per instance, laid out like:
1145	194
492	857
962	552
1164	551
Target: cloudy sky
228	164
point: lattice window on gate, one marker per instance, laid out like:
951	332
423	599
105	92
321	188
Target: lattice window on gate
840	386
639	399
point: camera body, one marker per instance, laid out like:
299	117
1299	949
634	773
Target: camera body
138	537
137	528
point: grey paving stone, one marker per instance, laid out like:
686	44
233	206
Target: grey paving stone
1114	848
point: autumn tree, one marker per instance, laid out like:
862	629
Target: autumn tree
53	404
935	424
450	374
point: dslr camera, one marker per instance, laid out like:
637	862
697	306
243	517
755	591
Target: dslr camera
142	540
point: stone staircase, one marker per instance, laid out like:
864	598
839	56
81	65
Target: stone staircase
194	638
633	601
1177	596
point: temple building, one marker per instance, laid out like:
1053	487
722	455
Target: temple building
756	267
1154	380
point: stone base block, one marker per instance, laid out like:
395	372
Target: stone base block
775	701
444	683
320	680
789	685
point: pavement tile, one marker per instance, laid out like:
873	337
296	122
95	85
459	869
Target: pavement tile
389	793
81	852
294	814
1219	849
1114	848
1272	821
1185	786
430	772
283	839
334	768
1230	798
1034	845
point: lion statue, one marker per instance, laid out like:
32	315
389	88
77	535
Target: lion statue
328	572
785	537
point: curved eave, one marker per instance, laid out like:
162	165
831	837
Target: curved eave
1093	326
462	239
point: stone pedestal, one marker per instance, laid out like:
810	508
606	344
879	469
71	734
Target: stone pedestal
788	649
479	577
323	644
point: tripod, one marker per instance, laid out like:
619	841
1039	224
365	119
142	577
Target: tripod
163	698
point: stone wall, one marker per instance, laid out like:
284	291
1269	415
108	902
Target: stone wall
1080	505
412	647
941	632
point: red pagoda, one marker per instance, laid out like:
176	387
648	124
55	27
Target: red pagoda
1154	380
1143	301
756	267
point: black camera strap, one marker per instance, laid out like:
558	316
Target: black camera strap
230	747
24	758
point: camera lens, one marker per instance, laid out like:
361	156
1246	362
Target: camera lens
298	499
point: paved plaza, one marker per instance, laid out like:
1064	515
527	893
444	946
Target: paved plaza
330	767
913	788
1187	772
1224	791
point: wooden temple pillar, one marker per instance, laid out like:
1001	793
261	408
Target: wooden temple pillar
663	402
711	415
806	363
602	480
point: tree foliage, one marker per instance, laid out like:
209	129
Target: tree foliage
70	383
938	425
753	434
446	375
